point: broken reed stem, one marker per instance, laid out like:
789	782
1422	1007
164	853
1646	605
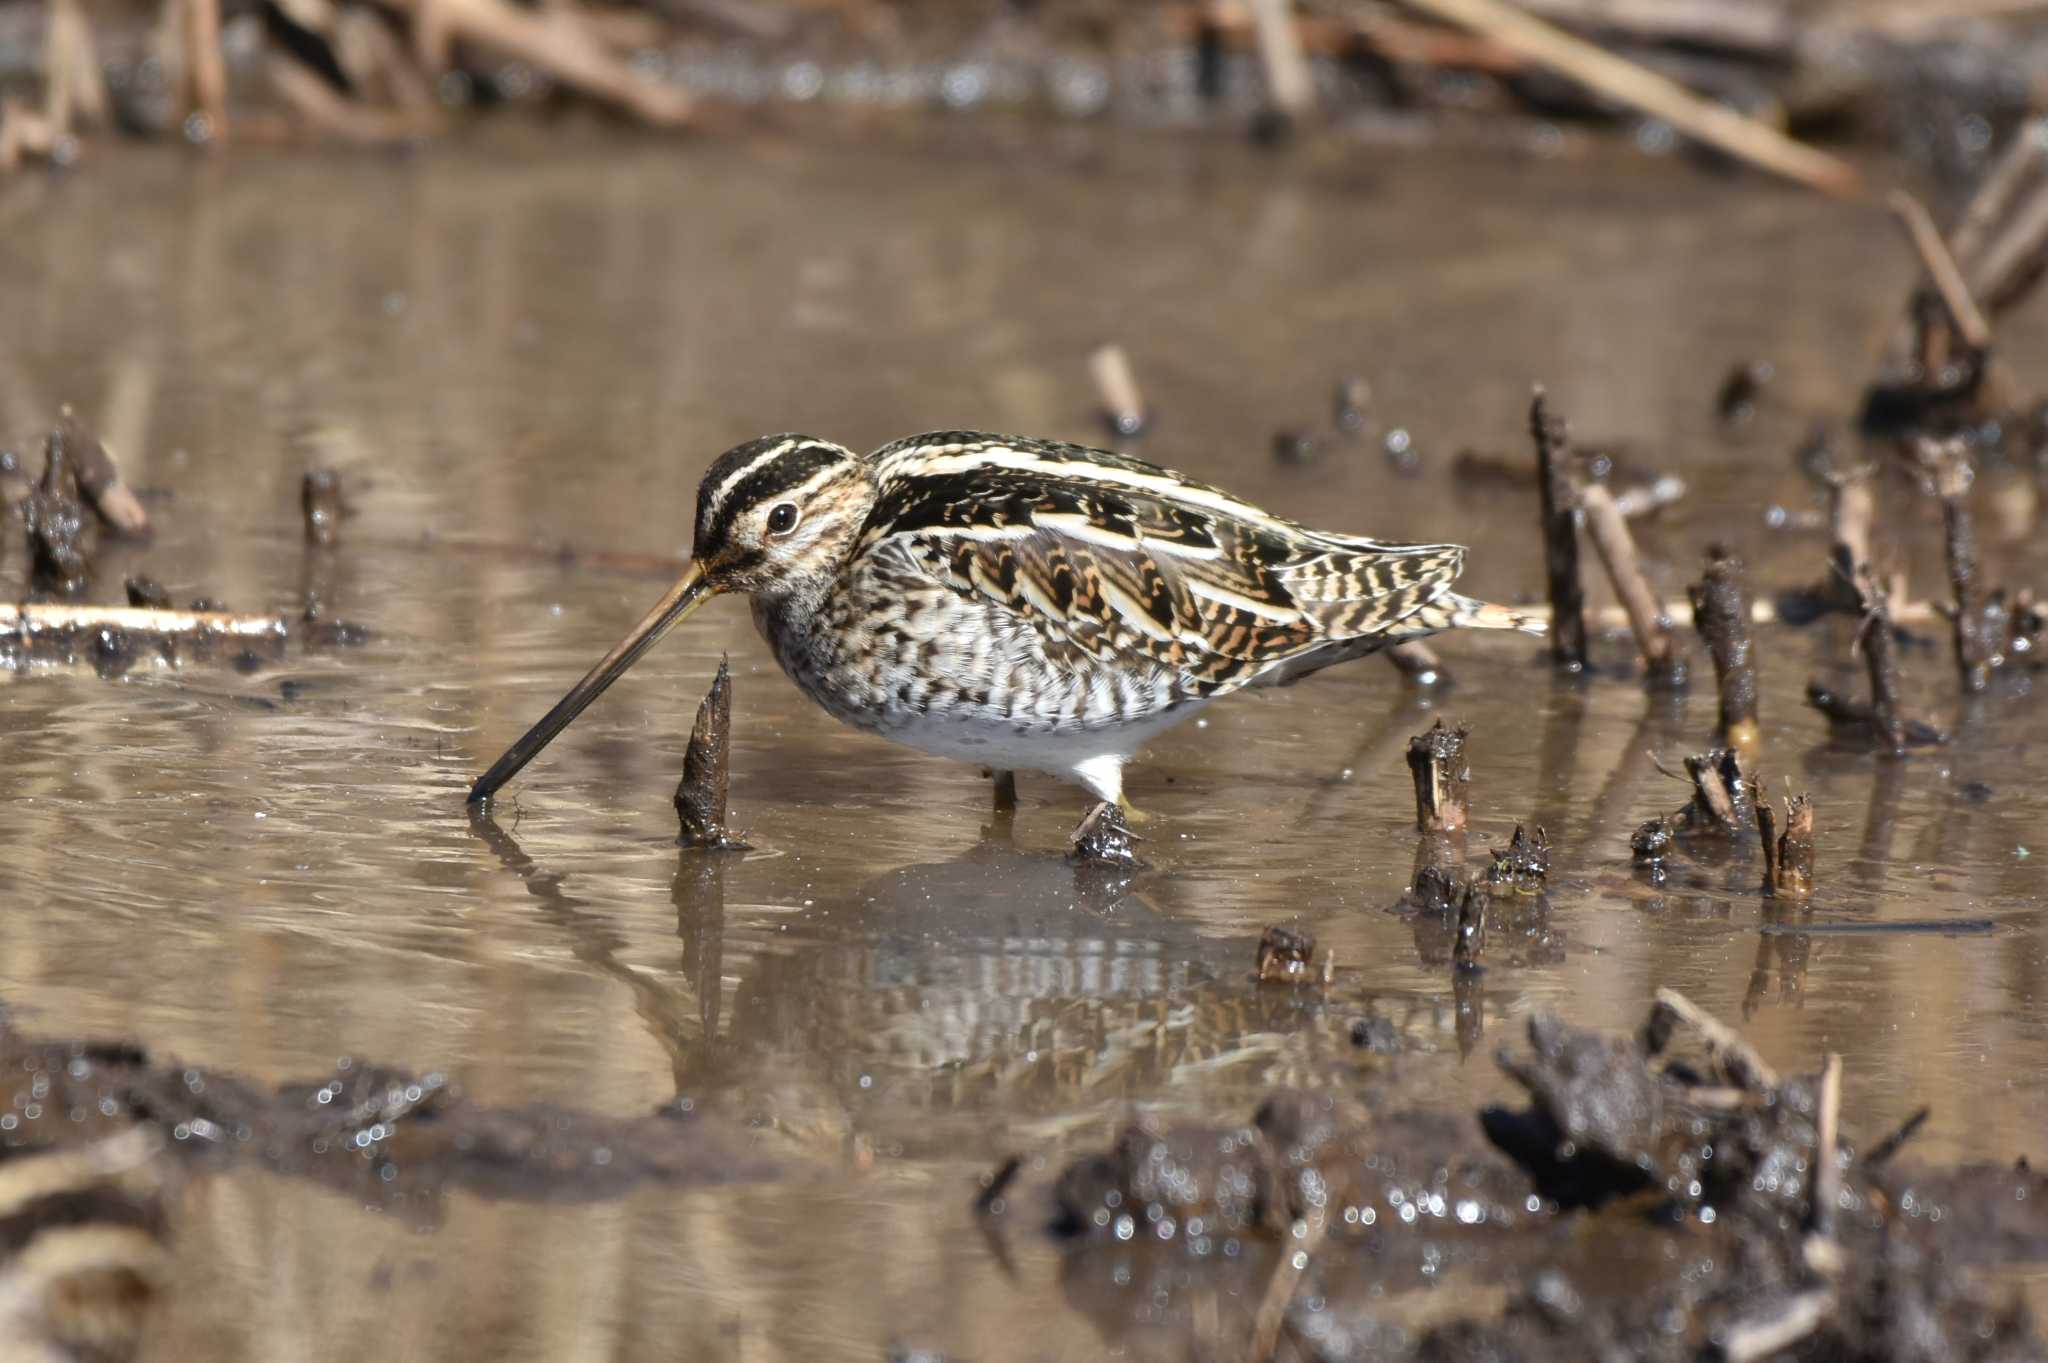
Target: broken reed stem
1710	122
701	796
1941	269
1436	760
1822	1254
1744	1066
1288	82
1788	856
1280	1288
1560	538
1721	614
1608	528
1123	403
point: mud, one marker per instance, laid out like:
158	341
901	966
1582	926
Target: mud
520	377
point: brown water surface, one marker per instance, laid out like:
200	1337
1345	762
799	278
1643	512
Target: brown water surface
542	344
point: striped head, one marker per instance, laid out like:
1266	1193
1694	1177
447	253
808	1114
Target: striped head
781	514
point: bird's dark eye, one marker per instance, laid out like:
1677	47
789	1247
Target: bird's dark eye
782	519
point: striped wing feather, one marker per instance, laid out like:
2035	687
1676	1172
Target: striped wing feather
1114	559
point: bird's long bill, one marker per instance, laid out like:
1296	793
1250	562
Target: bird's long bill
690	592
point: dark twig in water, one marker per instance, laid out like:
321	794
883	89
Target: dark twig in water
1663	661
1123	404
1418	664
1881	1153
1436	761
701	797
1788	856
1721	614
1882	717
1978	616
1560	537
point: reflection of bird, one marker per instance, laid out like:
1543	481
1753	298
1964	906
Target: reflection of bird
1025	604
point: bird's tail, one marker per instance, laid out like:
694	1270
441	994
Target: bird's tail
1452	611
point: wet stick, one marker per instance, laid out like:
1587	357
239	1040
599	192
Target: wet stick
1851	510
701	797
1295	1250
1123	405
1288	83
1469	944
320	503
1822	1252
1721	614
1663	663
1963	313
1777	1327
206	68
1560	538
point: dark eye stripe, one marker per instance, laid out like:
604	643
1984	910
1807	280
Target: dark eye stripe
764	485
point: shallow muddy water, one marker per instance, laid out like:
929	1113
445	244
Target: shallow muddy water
515	346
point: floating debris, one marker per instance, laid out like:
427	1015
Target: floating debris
701	796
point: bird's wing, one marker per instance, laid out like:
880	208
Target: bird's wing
1120	559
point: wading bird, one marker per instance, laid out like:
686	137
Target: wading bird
1024	604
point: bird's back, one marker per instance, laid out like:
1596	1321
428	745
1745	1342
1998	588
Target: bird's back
1118	559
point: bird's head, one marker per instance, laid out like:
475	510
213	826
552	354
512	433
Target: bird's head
779	516
776	517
